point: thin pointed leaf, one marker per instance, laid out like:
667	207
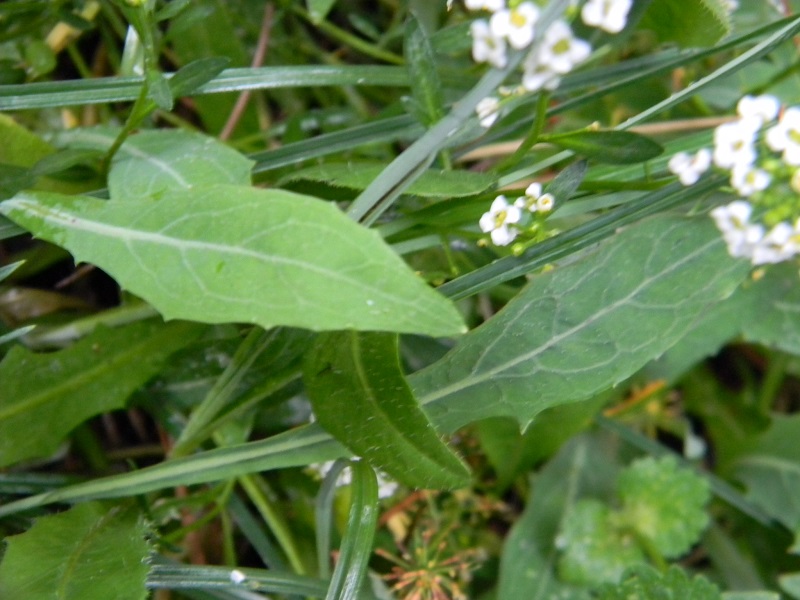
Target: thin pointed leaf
241	254
356	547
615	147
360	395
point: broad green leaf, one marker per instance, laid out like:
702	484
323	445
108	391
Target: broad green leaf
664	503
687	22
583	327
20	147
361	397
154	163
769	465
238	254
594	549
646	583
90	551
431	184
770	315
528	561
790	583
44	396
616	147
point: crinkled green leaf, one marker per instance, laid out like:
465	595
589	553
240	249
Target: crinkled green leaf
431	184
646	583
616	147
687	22
583	327
90	551
664	503
361	397
154	163
225	253
595	550
44	396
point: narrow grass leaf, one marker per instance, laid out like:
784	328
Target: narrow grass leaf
361	397
615	147
197	577
44	396
431	184
242	254
356	547
90	551
584	327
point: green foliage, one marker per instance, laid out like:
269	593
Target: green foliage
646	583
665	504
217	244
238	192
90	551
359	394
44	396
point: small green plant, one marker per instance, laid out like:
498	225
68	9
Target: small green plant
405	300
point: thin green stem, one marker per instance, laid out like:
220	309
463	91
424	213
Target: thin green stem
773	378
260	495
533	135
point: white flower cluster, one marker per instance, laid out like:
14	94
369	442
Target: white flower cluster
753	176
557	52
504	221
386	487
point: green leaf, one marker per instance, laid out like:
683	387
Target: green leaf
646	583
154	163
527	568
90	551
238	254
421	63
751	596
687	22
195	74
356	548
595	550
431	184
615	147
361	397
583	327
319	9
790	583
664	503
44	396
769	465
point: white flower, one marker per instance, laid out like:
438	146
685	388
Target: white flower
487	47
734	143
488	110
764	107
536	76
785	136
776	246
490	5
608	15
739	234
689	167
534	200
515	24
747	179
560	50
386	487
497	220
